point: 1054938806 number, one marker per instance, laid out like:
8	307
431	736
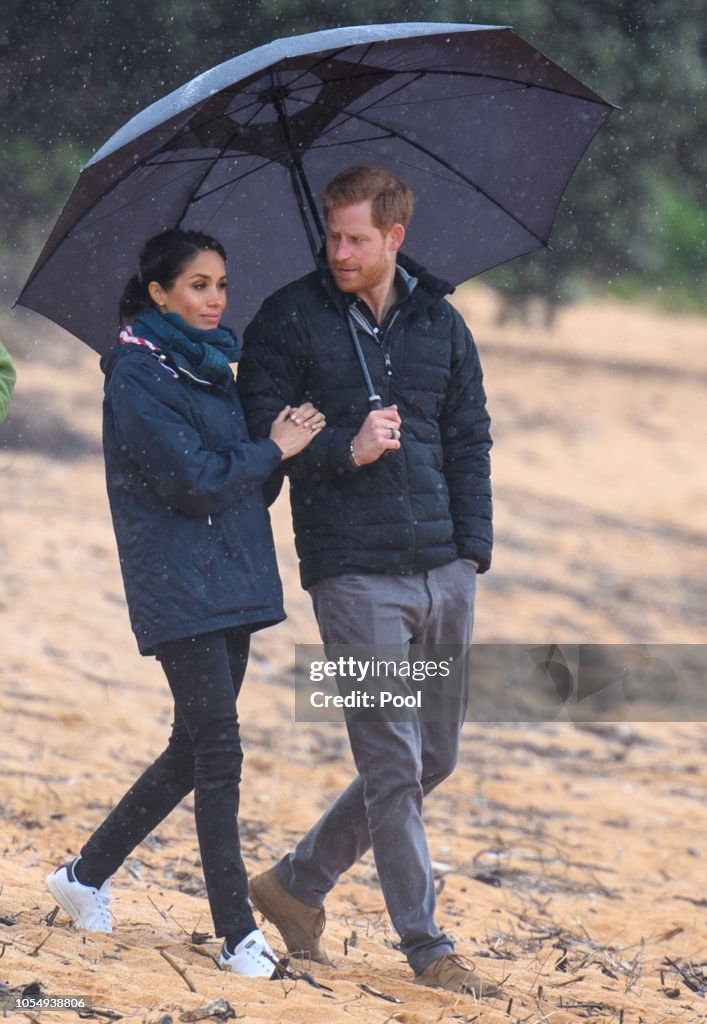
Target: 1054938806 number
48	1002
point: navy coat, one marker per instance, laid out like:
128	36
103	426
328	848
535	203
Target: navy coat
416	508
185	489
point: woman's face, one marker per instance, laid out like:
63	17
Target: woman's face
198	295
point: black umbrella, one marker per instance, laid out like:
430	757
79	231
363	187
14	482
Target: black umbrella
484	128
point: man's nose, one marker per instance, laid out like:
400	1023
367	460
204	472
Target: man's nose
343	251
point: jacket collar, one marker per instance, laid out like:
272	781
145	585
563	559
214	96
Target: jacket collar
423	288
173	363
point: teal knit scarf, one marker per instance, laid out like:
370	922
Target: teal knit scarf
207	352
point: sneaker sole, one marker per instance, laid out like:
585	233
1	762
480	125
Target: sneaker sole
277	971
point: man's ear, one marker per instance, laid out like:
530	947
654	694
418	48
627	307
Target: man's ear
396	237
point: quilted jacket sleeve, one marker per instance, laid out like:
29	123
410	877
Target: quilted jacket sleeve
272	373
155	425
466	440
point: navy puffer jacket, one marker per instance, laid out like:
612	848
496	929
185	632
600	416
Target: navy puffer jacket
185	488
413	509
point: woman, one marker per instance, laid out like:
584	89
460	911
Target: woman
198	563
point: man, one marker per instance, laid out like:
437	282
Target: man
392	515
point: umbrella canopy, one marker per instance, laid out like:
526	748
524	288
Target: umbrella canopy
484	128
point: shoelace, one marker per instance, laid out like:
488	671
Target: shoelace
104	899
460	961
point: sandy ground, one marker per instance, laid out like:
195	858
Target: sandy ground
571	858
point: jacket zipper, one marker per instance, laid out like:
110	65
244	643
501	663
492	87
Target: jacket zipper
385	344
382	338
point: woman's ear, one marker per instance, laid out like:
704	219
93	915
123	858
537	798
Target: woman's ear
154	290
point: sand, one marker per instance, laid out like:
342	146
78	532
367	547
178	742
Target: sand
571	857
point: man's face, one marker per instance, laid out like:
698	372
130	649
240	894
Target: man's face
360	255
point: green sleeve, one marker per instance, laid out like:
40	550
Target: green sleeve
7	381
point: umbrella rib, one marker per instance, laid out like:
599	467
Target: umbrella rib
81	224
178	161
119	180
365	53
253	101
346	142
235	90
413	76
399	88
441	73
445	99
385	134
311	68
501	78
126	206
383	104
209	169
241	177
226	156
333	55
378	103
233	181
454	170
199	183
598	101
137	199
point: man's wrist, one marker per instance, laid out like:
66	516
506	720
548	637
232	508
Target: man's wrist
352	456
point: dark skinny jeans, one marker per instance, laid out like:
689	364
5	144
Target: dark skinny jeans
204	753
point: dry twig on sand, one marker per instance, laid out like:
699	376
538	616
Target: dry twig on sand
181	971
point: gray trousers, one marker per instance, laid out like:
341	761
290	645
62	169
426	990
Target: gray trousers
398	762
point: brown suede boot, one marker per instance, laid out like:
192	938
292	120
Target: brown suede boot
452	972
299	924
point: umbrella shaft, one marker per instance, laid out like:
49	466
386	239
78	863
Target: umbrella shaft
299	178
374	399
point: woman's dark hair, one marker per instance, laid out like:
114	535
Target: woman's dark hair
163	258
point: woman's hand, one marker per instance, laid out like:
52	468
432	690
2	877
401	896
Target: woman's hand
307	415
294	428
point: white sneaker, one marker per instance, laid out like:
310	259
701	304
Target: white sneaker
87	907
252	957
